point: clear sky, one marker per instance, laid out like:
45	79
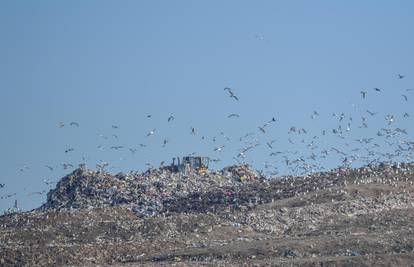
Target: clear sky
104	63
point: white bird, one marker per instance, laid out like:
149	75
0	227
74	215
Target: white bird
219	149
152	132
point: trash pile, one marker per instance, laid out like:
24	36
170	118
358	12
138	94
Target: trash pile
232	217
143	193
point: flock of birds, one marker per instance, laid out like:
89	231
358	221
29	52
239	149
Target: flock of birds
310	158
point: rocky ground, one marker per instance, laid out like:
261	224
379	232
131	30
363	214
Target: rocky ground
346	217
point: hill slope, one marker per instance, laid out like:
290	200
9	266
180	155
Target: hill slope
232	217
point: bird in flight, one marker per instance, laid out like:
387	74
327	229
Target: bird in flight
170	118
193	131
133	150
363	93
272	120
262	129
219	149
377	89
314	114
116	147
164	143
61	124
405	97
400	76
74	123
66	165
152	132
231	93
69	150
233	115
371	113
49	167
115	126
269	144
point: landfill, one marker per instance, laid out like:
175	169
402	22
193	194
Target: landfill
230	217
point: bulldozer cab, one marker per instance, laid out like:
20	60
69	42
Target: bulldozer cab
198	164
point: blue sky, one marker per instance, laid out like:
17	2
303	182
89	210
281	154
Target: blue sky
104	63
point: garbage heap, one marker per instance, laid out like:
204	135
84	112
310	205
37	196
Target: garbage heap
143	193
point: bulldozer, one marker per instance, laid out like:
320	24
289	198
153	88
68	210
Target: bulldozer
196	164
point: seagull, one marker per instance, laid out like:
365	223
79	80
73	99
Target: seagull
389	118
2	185
314	114
363	93
405	97
7	196
152	132
69	150
133	150
231	93
149	116
142	145
233	115
400	76
371	113
116	147
377	89
274	154
262	129
164	143
269	144
193	131
37	193
103	136
219	149
49	167
66	165
406	115
272	120
74	123
115	126
61	124
170	118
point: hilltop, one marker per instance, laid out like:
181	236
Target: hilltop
234	216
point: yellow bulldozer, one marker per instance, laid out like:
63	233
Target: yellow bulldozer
196	164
